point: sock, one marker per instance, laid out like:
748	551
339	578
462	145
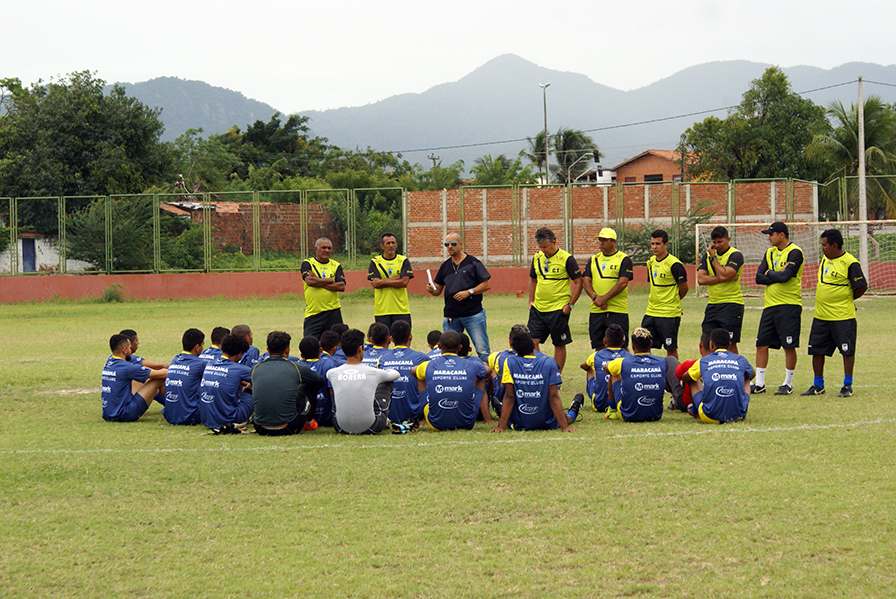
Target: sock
760	377
847	380
788	377
573	414
819	382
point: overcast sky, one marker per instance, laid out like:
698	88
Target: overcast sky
299	55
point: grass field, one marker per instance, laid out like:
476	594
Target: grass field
797	501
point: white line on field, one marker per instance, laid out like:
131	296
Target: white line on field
707	430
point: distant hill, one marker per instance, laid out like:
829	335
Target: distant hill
195	104
501	100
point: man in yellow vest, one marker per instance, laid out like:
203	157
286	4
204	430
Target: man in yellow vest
668	285
389	275
606	280
720	270
781	271
840	282
555	283
323	280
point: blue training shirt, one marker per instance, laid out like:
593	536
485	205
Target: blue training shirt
220	391
407	402
640	394
532	377
115	385
451	385
597	386
723	397
324	407
182	389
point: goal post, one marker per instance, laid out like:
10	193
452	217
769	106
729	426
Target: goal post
747	237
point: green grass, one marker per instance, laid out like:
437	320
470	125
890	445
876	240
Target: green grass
798	501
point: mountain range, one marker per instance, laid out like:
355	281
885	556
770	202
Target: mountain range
502	100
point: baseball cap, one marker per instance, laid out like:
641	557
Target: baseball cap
776	227
606	233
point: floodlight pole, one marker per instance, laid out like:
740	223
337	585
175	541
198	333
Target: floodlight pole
547	169
863	190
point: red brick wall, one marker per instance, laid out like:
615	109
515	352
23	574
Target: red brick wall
648	165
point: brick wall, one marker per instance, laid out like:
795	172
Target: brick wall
648	165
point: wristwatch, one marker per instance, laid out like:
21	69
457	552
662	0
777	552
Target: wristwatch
471	291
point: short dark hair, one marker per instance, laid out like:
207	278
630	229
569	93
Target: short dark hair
378	333
720	338
450	342
309	347
116	342
464	350
545	235
704	339
641	339
131	334
242	330
522	344
277	342
614	336
401	332
719	232
233	345
661	234
192	338
834	237
387	234
352	339
518	328
218	334
328	341
339	328
433	337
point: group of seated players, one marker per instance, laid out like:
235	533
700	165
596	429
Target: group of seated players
358	384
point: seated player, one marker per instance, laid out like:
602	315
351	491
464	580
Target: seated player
131	334
455	387
596	386
407	400
252	356
225	401
213	352
320	362
339	355
182	382
494	370
432	340
703	348
531	399
724	394
120	402
361	393
379	337
637	382
284	392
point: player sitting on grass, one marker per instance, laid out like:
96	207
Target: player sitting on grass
182	382
637	382
703	348
531	400
455	385
495	368
720	382
131	334
361	393
225	402
120	402
213	352
320	362
379	337
251	357
432	340
339	355
596	386
284	392
407	400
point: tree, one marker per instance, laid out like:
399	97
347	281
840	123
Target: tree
66	138
764	137
838	152
570	145
435	179
535	152
501	171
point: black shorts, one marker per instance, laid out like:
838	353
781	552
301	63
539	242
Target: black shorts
779	327
724	316
599	322
828	335
322	321
388	319
664	331
549	324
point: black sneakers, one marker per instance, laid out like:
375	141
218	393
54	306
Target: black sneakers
784	390
577	402
756	389
813	390
845	391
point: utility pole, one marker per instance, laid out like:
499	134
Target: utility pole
433	157
547	168
863	194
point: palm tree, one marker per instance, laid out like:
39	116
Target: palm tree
571	145
535	152
840	152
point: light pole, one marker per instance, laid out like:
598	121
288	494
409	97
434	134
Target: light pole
547	170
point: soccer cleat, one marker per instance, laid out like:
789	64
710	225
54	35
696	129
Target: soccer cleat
612	414
845	391
496	404
310	426
756	389
577	402
784	390
813	390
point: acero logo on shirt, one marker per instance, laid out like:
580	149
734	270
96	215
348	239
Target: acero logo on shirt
528	409
646	401
449	404
724	392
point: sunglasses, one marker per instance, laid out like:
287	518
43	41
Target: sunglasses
450	243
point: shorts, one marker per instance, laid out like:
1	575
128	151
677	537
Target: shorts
664	331
596	389
779	327
599	322
696	409
828	335
316	324
724	316
554	324
132	410
388	319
